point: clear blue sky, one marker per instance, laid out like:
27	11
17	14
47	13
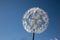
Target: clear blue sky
12	11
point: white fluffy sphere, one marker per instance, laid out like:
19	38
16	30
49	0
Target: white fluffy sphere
35	18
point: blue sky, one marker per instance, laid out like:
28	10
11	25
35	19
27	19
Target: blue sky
11	14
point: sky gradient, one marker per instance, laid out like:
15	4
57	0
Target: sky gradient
11	14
